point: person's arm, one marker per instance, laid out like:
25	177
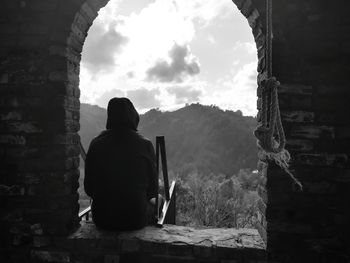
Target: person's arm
90	173
152	190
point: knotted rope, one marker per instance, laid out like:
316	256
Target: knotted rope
270	133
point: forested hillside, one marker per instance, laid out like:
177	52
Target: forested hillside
92	122
198	138
212	154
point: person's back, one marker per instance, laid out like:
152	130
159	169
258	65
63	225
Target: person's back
120	171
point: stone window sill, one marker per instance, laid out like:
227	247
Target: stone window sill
171	241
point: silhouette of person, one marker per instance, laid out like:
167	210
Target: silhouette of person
120	172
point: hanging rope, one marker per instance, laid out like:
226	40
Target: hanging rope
270	134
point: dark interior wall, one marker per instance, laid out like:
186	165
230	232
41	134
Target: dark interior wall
311	59
41	42
39	102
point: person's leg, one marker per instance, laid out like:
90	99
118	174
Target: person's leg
151	208
160	200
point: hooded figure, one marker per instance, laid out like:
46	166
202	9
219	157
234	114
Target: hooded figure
120	171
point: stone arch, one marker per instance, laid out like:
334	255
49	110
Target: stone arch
39	102
67	41
39	78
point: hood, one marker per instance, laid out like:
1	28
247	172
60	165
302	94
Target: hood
121	113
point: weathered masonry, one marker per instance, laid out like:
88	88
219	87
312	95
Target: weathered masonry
40	51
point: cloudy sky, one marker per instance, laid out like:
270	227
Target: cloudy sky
166	53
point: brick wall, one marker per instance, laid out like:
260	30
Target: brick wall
40	47
311	59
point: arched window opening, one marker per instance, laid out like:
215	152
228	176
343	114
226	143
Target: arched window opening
190	68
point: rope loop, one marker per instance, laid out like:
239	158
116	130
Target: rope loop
270	132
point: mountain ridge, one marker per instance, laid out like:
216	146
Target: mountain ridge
204	139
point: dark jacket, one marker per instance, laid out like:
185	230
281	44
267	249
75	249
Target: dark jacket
120	172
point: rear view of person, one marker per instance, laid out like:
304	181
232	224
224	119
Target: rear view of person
120	171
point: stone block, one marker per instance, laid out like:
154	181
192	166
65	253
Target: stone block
14	115
322	187
14	127
47	5
41	241
171	259
299	145
51	256
58	76
247	8
323	159
58	37
12	190
253	18
239	3
261	65
335	117
36	229
294	102
79	34
331	90
302	229
130	245
75	43
32	41
111	259
89	10
298	116
8	40
260	42
12	139
342	132
76	93
20	153
58	50
286	88
111	243
34	29
4	78
159	248
312	132
331	103
203	251
9	29
66	139
82	23
178	248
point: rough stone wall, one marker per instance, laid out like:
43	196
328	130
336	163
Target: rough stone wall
41	42
39	106
311	59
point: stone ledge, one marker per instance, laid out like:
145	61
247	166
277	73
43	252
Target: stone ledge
171	240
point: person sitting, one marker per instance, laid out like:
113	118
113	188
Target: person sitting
120	172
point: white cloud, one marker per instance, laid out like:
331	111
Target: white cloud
237	91
185	94
249	47
246	77
204	12
182	65
211	39
100	49
151	32
106	96
144	98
